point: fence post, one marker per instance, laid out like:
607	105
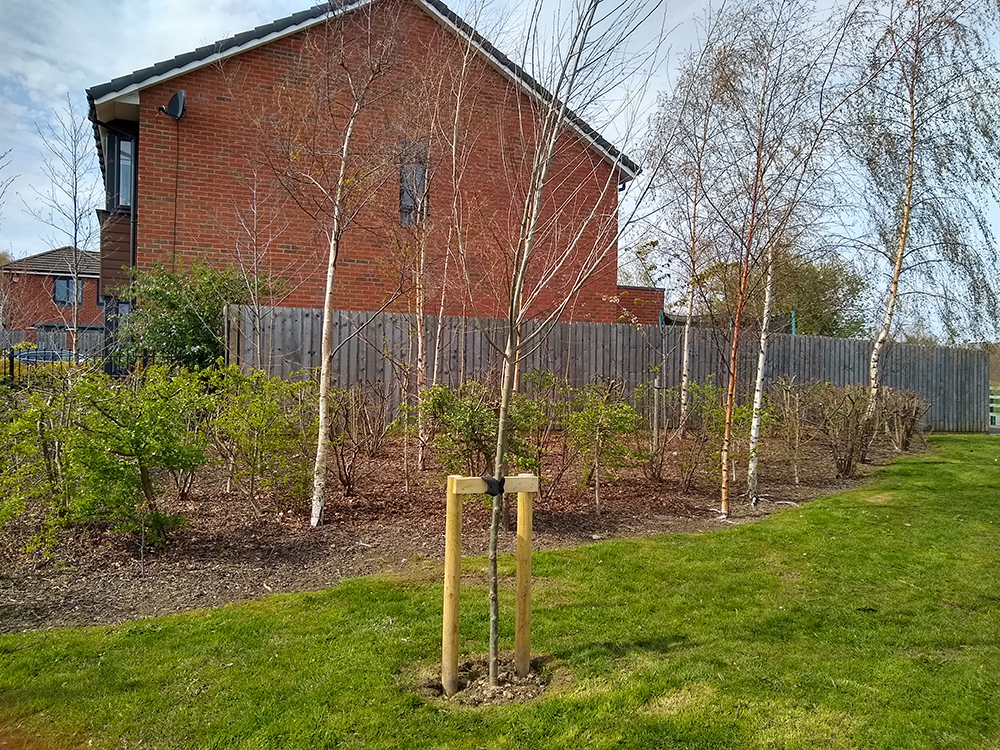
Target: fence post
232	319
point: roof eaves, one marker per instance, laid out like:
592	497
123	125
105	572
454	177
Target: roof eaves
223	48
56	262
522	77
298	21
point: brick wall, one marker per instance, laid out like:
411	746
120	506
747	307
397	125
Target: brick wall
30	304
260	127
640	304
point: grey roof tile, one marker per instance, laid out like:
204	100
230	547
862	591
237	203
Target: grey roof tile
58	262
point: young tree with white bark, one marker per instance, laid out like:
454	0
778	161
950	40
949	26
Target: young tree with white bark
684	176
766	85
316	133
759	135
925	136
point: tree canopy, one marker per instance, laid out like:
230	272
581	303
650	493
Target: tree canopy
825	295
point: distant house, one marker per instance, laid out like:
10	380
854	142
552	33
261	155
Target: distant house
188	148
39	294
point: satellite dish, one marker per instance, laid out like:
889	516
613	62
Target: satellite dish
176	106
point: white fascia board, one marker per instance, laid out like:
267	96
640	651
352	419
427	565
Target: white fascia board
67	272
135	88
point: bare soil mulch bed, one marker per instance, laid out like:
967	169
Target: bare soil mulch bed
229	552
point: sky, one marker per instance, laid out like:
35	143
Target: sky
51	48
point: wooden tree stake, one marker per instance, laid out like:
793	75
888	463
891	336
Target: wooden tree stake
522	618
525	485
452	574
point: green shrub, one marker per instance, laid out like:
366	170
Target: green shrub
130	433
36	429
179	316
547	406
80	447
464	422
264	429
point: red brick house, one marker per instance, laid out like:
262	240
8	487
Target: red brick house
38	299
224	155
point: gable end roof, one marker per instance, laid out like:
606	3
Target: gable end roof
58	262
241	42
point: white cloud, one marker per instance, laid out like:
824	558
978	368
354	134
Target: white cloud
65	46
49	49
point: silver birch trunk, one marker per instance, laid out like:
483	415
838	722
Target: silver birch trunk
326	349
758	391
692	284
439	331
874	369
326	372
686	360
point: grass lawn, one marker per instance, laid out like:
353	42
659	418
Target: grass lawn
866	620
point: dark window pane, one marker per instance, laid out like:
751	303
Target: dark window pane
413	193
63	292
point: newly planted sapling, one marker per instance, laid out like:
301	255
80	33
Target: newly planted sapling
599	430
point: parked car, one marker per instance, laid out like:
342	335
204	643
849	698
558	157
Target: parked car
43	356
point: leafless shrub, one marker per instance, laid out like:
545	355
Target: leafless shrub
903	415
794	405
843	424
360	427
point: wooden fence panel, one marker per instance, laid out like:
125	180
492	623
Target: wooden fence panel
380	348
10	338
